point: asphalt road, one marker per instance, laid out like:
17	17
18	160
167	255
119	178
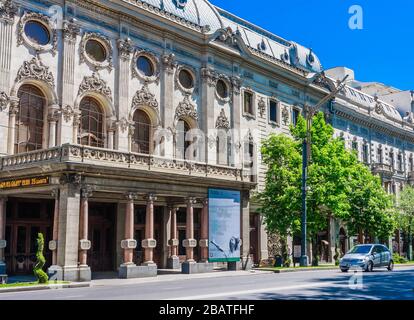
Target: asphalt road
309	285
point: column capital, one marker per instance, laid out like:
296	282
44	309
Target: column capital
151	197
191	200
55	193
131	196
86	191
205	201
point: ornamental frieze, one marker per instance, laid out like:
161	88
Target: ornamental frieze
186	109
7	10
95	84
47	21
35	69
4	101
144	97
222	121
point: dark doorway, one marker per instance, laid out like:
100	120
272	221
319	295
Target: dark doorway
102	236
26	218
254	237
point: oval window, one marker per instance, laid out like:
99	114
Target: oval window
37	32
95	50
145	66
186	79
222	89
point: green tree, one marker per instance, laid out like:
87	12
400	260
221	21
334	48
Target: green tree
405	215
335	179
41	276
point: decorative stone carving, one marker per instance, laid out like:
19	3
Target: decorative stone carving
379	108
285	115
70	178
186	109
87	191
155	63
169	63
4	100
144	97
236	83
123	124
229	38
129	244
210	75
67	112
47	22
34	69
222	121
125	48
105	42
262	107
95	84
70	30
8	10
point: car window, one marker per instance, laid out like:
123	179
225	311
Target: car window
362	249
377	249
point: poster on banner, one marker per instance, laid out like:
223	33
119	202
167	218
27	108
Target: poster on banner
224	225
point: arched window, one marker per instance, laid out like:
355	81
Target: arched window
92	125
183	141
142	133
30	119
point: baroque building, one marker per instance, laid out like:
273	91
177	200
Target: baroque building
117	117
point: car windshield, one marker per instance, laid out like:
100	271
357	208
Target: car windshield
361	249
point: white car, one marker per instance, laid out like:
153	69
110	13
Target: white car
366	257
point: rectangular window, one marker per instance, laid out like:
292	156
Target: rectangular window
365	153
392	160
248	102
399	162
411	163
354	145
295	116
273	111
379	155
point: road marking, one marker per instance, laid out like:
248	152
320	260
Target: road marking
252	291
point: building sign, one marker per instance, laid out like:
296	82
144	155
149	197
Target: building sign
26	182
224	225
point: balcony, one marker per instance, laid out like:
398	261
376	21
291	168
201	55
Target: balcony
382	168
106	159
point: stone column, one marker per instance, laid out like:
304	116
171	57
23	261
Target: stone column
68	117
53	119
204	232
169	66
173	261
84	243
125	48
149	243
245	230
190	243
129	244
111	134
3	243
13	111
236	108
54	241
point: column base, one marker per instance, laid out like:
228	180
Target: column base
55	273
173	262
68	273
188	267
130	271
246	263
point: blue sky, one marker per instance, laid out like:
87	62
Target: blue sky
382	51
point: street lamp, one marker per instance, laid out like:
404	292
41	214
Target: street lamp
310	111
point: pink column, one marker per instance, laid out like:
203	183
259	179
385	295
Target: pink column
189	243
83	227
55	225
149	243
204	232
2	224
129	228
174	233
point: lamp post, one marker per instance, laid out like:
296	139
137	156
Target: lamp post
310	111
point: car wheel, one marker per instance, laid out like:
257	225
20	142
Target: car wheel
369	267
390	266
344	270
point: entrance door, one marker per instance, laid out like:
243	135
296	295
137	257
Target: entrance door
101	234
254	237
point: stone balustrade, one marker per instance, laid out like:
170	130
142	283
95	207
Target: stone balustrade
112	158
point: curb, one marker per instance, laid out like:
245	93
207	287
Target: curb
44	287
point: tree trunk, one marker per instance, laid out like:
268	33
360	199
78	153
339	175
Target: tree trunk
360	237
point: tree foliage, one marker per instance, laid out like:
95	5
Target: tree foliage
339	185
41	276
